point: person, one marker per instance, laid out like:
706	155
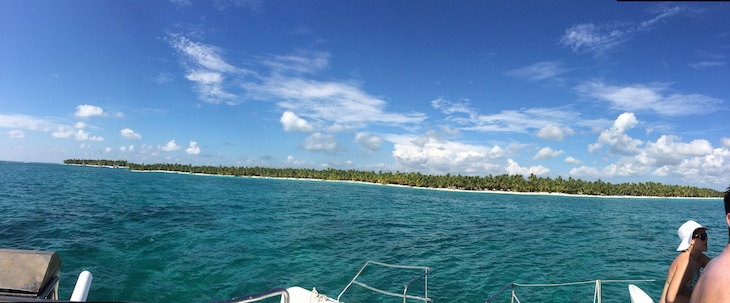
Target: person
685	269
714	285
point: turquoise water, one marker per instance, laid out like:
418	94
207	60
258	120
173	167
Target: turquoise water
161	237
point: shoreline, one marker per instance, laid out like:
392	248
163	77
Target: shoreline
431	188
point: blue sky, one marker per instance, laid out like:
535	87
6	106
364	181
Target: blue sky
617	91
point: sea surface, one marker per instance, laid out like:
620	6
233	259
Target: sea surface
166	237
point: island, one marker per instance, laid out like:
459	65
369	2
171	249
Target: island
499	183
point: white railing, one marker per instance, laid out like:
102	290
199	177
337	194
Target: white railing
596	292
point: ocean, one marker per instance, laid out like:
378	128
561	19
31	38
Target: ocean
166	237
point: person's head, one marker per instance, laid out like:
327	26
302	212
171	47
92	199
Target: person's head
693	235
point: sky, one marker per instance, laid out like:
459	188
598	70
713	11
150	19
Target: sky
616	91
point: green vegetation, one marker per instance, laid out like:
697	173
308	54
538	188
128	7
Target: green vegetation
112	163
507	183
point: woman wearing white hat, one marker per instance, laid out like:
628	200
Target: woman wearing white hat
685	269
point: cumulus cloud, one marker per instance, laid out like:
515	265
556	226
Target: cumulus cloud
16	134
571	160
538	71
85	111
616	137
552	132
496	152
368	141
79	134
296	162
514	168
667	150
293	123
170	146
650	98
584	172
129	134
107	149
695	162
439	156
63	132
725	142
193	149
319	142
547	152
80	125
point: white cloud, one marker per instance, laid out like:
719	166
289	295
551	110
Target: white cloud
84	146
293	161
538	71
292	123
193	149
695	162
304	62
514	168
547	152
706	64
131	148
496	152
82	135
650	98
129	134
26	122
439	156
667	151
16	134
571	160
616	137
725	142
552	132
163	78
599	39
368	141
341	103
321	142
85	111
108	149
584	172
63	132
80	125
206	67
449	107
170	146
122	148
518	121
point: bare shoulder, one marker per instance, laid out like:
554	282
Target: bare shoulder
712	286
719	267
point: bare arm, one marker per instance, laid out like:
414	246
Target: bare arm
676	281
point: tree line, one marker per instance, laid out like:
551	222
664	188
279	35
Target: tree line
505	182
99	162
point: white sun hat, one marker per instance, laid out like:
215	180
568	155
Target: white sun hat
685	233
